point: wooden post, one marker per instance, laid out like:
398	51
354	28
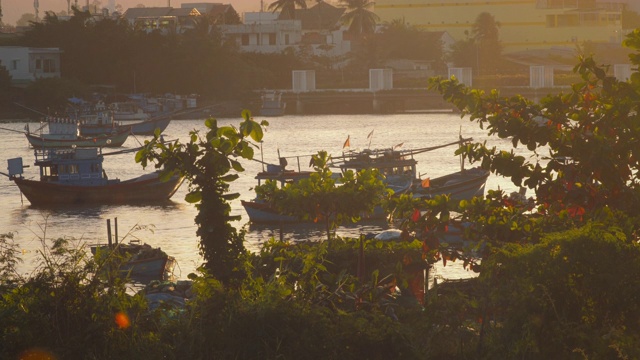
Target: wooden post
116	229
109	233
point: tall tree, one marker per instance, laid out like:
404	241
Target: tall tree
361	20
486	38
209	164
287	8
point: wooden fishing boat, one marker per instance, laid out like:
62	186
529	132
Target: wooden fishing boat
461	185
76	176
398	166
102	120
263	213
260	212
140	262
65	133
110	140
149	127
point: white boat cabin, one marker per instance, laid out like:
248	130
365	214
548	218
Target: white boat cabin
71	166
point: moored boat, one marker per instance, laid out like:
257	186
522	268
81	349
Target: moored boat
400	170
149	127
272	104
107	140
461	185
65	133
140	262
76	176
128	111
260	212
103	120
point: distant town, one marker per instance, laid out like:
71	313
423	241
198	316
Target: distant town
382	54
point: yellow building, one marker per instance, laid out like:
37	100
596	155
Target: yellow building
524	24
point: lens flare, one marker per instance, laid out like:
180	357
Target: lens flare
37	354
122	320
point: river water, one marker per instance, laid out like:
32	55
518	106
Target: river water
171	226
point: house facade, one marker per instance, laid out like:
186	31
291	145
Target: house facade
262	32
163	19
317	29
27	64
524	24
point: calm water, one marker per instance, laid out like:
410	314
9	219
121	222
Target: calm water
171	226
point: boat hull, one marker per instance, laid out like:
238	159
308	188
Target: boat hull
145	189
260	213
149	127
149	269
462	185
113	140
158	267
130	116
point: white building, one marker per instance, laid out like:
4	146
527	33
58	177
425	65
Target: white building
262	32
318	29
26	64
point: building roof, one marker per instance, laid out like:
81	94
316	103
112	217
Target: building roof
557	57
134	13
321	16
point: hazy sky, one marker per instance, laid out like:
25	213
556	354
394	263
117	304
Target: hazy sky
12	10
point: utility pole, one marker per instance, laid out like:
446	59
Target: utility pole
36	5
68	7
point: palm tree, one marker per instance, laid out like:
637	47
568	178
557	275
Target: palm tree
360	19
287	8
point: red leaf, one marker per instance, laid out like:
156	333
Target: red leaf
416	215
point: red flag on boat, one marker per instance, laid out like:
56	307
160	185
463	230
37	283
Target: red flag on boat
347	143
426	183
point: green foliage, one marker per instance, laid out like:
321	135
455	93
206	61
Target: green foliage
109	52
574	292
5	86
9	260
481	50
553	265
400	40
207	162
323	197
52	94
588	135
287	8
360	19
63	310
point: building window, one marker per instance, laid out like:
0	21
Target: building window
38	64
14	64
286	39
49	66
245	40
272	39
